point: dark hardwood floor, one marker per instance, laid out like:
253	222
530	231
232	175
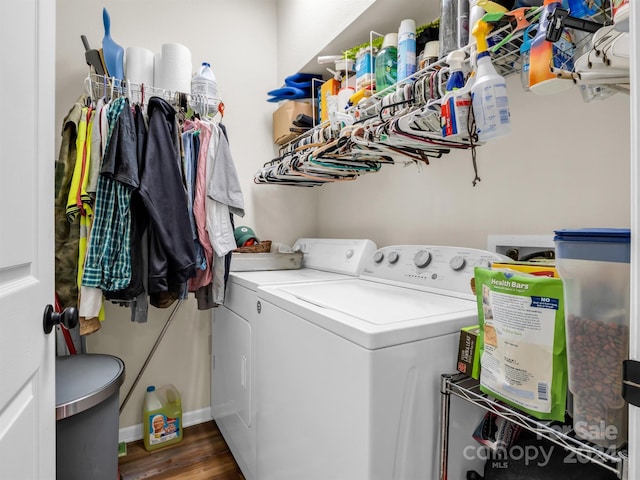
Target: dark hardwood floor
201	455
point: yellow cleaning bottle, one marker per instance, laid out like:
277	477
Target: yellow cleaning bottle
162	417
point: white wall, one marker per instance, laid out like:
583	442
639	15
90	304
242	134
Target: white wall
239	40
565	164
307	27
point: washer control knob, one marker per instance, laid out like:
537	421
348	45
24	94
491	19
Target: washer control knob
349	253
457	263
481	262
378	256
422	259
393	257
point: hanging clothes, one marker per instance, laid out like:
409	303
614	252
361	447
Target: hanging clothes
135	293
146	204
202	277
171	252
224	198
67	234
108	264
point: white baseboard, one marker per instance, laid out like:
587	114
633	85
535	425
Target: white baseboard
134	432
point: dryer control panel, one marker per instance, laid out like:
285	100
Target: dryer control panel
441	269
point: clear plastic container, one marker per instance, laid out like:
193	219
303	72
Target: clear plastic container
161	417
594	267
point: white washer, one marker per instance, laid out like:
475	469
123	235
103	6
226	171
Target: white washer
233	392
349	371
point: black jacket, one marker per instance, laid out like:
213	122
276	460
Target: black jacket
171	251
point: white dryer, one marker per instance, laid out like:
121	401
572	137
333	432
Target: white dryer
233	392
349	371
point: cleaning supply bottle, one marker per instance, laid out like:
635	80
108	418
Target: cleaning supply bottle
386	62
489	98
406	49
204	90
547	57
476	12
525	57
454	109
161	417
365	59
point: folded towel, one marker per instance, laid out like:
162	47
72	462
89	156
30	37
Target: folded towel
301	80
288	93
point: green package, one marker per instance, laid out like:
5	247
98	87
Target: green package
523	354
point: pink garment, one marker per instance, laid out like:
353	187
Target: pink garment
202	277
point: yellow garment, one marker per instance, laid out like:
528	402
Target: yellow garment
79	188
78	197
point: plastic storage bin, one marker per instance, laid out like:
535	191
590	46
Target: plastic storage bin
87	398
594	267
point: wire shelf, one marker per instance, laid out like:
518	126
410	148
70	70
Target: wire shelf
468	389
403	123
98	86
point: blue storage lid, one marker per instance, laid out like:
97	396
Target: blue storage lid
600	244
619	235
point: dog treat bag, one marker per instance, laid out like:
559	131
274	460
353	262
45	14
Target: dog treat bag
522	341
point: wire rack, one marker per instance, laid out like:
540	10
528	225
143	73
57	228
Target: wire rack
468	389
98	86
402	123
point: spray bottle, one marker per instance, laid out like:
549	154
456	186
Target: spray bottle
489	98
454	110
547	59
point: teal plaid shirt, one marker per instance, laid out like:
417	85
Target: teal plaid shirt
108	261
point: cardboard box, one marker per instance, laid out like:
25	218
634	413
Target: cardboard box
533	268
283	119
469	352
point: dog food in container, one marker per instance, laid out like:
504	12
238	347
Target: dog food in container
594	266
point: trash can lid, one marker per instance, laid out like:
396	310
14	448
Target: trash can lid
83	381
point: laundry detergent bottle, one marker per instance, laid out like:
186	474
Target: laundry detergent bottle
162	417
205	95
387	63
489	98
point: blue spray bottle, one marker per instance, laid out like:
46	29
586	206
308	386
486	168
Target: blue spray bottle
454	110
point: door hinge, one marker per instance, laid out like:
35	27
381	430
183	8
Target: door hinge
631	382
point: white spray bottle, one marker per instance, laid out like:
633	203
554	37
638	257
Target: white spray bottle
454	110
489	98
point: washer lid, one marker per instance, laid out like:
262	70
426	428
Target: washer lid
83	381
377	303
252	280
371	314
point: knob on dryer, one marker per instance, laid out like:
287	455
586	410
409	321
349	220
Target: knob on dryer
378	256
393	257
457	263
422	258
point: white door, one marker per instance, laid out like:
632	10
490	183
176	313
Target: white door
634	344
27	362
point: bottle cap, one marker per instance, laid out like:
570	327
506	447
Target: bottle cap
206	64
408	26
390	40
151	388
